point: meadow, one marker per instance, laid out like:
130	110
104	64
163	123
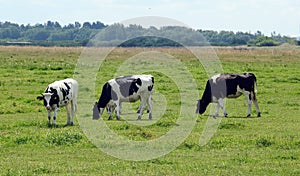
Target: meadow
269	145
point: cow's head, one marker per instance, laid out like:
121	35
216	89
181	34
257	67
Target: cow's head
96	112
201	108
50	99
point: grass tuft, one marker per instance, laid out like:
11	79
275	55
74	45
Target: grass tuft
263	142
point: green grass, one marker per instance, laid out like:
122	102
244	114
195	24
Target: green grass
269	145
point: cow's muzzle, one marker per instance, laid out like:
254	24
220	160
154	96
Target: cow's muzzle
96	112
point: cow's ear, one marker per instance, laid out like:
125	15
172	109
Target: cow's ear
41	97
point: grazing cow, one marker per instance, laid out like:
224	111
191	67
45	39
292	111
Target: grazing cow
228	86
58	94
125	89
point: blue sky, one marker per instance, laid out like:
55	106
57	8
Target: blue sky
282	16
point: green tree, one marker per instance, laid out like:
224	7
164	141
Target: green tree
263	41
37	34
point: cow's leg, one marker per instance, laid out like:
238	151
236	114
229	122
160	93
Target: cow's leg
73	110
150	104
253	96
110	112
101	110
249	101
257	108
217	110
68	109
118	109
54	116
142	107
49	117
221	104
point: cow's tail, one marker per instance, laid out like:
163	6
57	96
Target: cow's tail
255	85
255	89
75	107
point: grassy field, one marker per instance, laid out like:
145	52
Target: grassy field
269	145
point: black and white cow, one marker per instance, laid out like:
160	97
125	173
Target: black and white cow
125	89
58	94
223	86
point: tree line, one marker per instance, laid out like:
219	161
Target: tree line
99	34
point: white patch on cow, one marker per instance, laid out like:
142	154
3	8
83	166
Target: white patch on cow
214	78
214	99
238	93
47	97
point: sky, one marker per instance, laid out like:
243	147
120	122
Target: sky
267	16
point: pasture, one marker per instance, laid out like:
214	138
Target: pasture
269	145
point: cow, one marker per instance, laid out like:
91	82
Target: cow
223	86
58	94
125	89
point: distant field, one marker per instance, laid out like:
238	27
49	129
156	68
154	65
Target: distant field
269	145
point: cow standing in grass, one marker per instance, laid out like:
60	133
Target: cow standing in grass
125	89
58	94
223	86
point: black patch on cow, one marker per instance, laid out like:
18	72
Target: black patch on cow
47	90
231	84
128	85
150	88
245	81
106	95
206	98
54	98
152	78
68	87
64	91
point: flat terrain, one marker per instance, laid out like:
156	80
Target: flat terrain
269	145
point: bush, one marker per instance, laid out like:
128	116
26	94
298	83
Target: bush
263	41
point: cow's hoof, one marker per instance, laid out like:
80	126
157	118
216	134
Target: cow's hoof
226	115
69	124
259	115
214	116
118	118
110	118
249	115
150	116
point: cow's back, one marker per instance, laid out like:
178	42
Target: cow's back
67	90
73	84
